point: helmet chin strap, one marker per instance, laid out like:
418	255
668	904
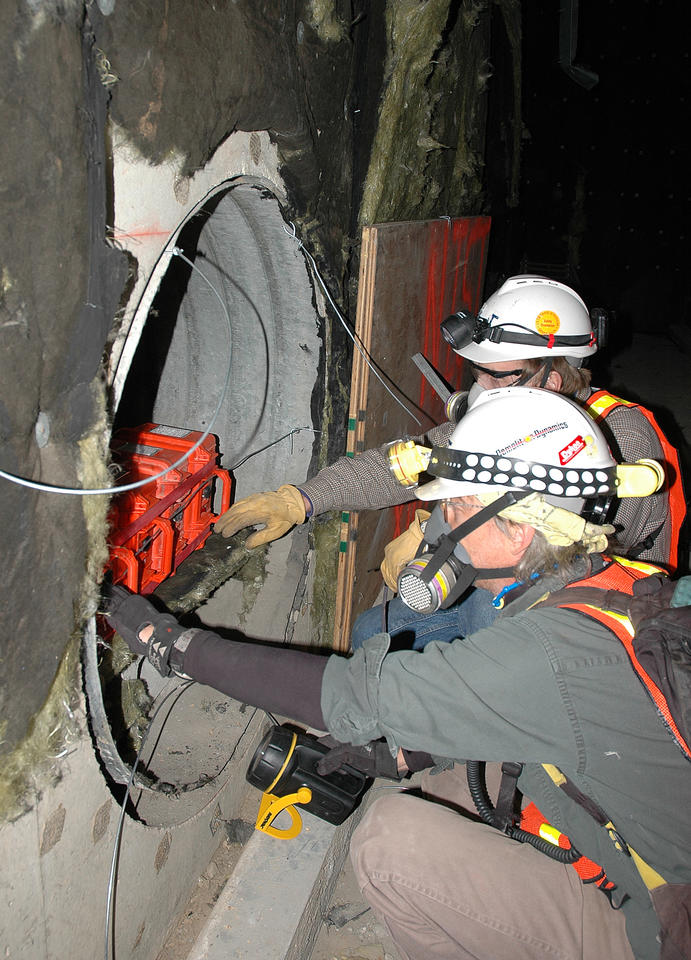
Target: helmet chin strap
449	541
546	369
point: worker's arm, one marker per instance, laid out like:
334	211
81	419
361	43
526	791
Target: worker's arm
362	482
274	678
365	482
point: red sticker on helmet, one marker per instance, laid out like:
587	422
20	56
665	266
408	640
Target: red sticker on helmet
571	449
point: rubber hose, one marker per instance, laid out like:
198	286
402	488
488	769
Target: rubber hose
483	804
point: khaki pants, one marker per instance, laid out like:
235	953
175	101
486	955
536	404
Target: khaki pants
453	888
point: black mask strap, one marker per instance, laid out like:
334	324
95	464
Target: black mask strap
546	369
447	543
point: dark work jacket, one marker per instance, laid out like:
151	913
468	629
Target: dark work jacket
538	686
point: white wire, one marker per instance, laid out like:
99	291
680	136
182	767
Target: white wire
363	352
90	492
99	491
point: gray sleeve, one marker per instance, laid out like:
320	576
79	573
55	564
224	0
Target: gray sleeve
364	482
632	438
493	695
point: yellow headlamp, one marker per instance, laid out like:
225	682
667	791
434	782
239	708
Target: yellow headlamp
640	479
407	460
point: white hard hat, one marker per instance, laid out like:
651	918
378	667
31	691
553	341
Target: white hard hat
524	439
528	316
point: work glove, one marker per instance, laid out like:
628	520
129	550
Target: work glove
279	511
130	614
400	551
373	759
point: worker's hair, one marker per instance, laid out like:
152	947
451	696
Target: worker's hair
543	557
573	378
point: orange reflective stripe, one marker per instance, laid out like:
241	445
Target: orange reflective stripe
532	821
599	405
625	632
620	574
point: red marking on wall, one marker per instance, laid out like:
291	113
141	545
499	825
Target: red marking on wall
141	233
455	277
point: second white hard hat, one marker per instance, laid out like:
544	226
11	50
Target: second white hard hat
528	316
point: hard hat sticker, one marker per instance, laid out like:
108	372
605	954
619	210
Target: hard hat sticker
571	449
534	435
547	322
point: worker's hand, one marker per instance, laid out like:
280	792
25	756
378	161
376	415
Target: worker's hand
373	759
146	631
401	550
279	511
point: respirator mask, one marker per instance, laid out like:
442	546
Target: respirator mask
442	571
533	442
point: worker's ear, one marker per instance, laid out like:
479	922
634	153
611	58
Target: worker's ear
519	536
554	381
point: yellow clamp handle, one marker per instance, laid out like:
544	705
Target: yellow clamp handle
407	460
639	479
270	806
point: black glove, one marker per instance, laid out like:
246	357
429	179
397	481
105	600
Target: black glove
373	759
129	613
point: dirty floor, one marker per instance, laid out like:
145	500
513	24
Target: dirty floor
350	931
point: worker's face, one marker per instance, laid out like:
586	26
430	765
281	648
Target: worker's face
506	373
488	546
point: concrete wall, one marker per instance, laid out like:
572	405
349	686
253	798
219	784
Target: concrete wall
120	120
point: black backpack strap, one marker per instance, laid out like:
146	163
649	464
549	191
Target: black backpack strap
594	596
507	810
637	549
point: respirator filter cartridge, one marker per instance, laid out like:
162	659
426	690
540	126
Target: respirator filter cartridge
422	595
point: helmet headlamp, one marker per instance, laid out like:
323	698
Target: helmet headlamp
407	460
459	329
463	328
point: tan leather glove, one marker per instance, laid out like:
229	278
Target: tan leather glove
279	510
402	549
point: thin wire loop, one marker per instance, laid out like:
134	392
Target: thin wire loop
86	492
366	356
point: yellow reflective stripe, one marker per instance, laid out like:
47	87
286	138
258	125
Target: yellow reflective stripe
597	407
549	833
651	878
648	569
554	773
622	618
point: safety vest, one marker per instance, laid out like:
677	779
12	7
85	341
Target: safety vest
618	574
599	405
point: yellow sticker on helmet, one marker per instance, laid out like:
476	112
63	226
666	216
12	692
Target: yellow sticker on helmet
547	322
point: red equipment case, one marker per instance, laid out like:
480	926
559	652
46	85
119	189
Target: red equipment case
155	527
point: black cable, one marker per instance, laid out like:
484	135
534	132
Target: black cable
385	611
483	804
121	821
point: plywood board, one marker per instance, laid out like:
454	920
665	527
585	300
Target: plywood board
412	276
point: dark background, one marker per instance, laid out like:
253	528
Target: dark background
604	173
